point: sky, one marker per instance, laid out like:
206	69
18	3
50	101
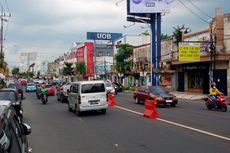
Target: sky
50	27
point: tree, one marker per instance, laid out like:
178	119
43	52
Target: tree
122	58
68	69
15	71
81	68
146	33
164	37
178	32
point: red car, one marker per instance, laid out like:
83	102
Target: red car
50	89
160	94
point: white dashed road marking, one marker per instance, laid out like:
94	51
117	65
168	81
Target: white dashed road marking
177	124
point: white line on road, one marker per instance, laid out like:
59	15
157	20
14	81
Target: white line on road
180	125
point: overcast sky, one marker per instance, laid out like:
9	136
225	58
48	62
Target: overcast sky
51	26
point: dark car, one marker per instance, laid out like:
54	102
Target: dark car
13	133
118	87
62	94
9	94
18	87
158	93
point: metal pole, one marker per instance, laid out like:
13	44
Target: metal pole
158	59
153	47
1	36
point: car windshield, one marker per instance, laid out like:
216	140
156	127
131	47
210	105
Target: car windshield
30	84
157	90
92	88
48	85
108	84
17	86
7	95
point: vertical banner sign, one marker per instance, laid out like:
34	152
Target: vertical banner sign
189	51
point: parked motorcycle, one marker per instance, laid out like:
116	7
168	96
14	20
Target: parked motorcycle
221	103
44	98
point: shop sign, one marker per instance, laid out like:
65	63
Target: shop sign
189	52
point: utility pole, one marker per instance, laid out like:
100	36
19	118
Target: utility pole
3	15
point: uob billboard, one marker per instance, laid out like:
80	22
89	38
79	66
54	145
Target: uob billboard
103	36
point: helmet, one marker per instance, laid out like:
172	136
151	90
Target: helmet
213	85
43	86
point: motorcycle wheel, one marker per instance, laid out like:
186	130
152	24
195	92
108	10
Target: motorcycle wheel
209	106
224	107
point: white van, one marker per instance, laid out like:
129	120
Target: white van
87	95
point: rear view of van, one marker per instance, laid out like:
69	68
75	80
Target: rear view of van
87	95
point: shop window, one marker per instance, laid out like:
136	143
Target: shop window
195	80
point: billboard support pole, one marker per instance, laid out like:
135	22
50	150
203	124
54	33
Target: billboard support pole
153	47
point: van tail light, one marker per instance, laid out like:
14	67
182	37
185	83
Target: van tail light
79	99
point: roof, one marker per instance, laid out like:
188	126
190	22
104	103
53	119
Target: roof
8	89
91	81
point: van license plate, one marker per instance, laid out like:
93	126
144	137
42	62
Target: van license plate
168	101
94	102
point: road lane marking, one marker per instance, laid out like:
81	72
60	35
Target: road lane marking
177	124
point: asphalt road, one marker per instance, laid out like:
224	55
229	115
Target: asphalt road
56	130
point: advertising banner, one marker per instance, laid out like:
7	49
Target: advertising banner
189	51
149	6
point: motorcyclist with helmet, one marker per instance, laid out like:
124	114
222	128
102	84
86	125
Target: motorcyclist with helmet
213	91
44	90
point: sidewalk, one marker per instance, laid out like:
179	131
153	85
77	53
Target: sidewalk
188	95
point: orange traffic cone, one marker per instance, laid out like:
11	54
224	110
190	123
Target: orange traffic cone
150	109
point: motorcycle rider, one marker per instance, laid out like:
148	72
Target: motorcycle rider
213	91
44	90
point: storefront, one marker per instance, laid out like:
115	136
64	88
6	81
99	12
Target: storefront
193	77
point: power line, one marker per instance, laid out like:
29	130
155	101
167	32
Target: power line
193	12
199	9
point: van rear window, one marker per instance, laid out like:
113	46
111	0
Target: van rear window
93	88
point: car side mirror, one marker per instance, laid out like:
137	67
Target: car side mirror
26	129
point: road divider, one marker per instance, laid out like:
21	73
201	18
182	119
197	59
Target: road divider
111	100
150	109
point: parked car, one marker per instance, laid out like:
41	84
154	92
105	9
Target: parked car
118	87
9	94
18	87
13	133
109	87
62	94
87	96
158	93
30	87
50	89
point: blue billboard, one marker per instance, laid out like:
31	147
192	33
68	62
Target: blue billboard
103	36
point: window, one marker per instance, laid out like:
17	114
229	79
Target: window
75	88
93	88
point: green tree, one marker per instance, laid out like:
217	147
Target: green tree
15	71
164	37
122	58
38	74
178	32
81	68
68	69
29	74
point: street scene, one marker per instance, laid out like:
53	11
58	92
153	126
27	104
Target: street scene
115	76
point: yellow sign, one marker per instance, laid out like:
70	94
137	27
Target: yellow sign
189	52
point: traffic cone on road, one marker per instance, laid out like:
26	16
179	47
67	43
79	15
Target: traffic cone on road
111	100
150	109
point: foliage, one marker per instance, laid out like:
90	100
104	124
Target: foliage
38	74
81	67
68	69
145	33
29	74
122	58
15	71
165	37
178	32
